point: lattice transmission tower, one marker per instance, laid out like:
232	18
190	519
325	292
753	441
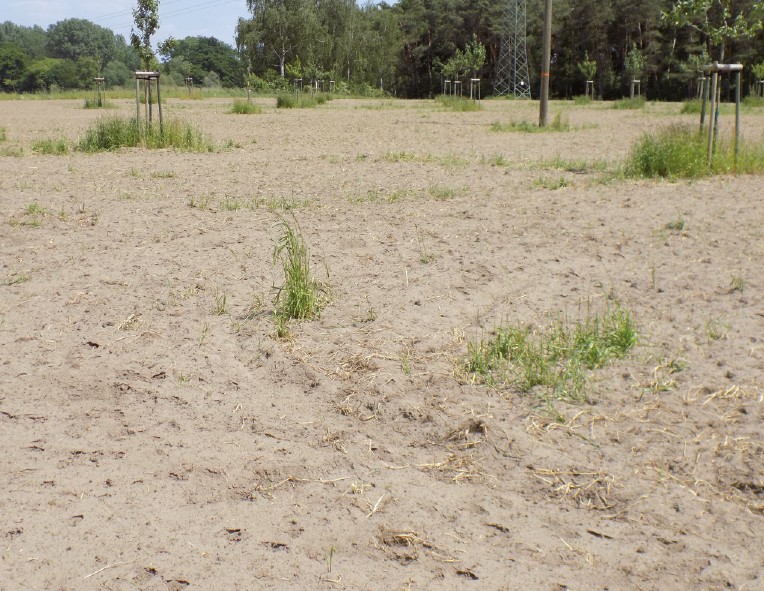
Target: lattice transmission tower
512	71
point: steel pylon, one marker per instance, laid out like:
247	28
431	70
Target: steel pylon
512	70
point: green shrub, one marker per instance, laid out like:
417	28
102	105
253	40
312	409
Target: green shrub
111	133
242	107
637	102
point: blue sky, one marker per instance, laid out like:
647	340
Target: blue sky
177	18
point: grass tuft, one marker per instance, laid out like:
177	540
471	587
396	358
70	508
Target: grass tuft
302	101
242	107
559	123
458	103
298	297
638	102
47	146
556	359
3	134
112	133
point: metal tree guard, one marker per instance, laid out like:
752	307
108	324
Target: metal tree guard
149	79
713	125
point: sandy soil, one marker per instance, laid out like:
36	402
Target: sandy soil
157	435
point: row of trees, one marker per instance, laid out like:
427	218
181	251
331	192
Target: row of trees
70	53
408	48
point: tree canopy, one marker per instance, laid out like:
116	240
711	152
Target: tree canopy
408	48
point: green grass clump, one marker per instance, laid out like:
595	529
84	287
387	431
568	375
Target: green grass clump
47	146
301	101
638	102
3	134
111	133
692	107
556	360
753	102
559	123
681	152
458	103
242	107
298	297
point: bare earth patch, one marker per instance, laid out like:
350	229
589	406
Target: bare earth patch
157	434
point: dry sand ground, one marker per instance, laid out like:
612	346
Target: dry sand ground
151	443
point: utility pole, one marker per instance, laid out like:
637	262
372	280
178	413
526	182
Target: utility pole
546	63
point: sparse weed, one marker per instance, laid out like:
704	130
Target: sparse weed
551	184
495	160
220	306
556	359
737	283
17	277
425	256
676	225
441	193
201	202
716	329
3	134
574	166
163	174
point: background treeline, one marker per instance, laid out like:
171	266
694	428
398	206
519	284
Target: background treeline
399	49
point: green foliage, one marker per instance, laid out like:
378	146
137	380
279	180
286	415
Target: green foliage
692	107
753	102
298	297
758	70
13	63
681	152
75	38
587	67
111	133
638	102
556	360
243	107
117	73
635	62
3	134
146	17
